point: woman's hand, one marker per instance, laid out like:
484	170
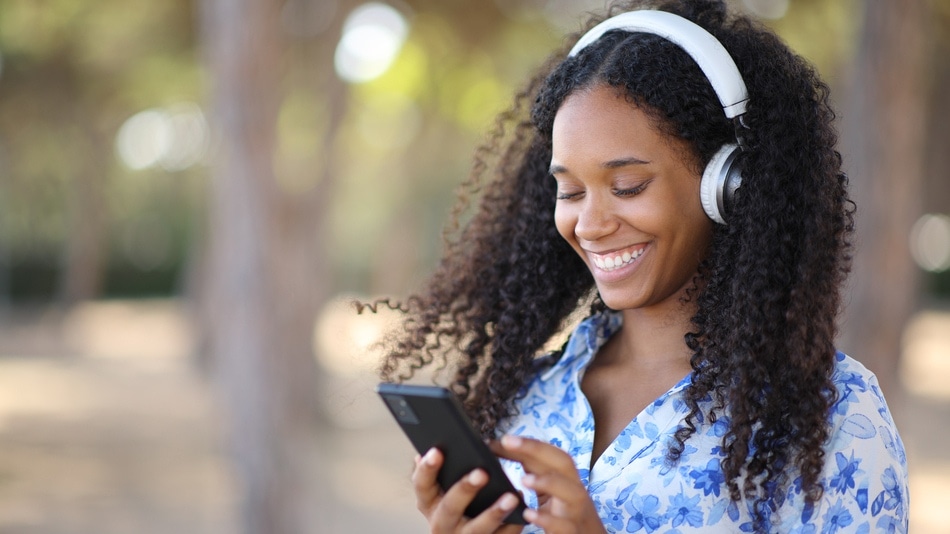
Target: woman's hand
564	505
445	511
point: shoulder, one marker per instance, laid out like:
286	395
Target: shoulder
865	469
554	381
859	394
860	412
865	457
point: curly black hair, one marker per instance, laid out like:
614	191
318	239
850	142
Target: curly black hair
767	295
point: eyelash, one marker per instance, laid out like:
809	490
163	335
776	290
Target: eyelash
633	191
623	193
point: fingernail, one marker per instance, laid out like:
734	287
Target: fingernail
528	480
512	442
476	477
530	515
429	458
508	502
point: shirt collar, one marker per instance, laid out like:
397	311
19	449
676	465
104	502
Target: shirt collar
586	340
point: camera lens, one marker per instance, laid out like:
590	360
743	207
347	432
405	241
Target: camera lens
401	410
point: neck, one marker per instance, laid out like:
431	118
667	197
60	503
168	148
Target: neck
654	339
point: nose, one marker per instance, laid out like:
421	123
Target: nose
595	219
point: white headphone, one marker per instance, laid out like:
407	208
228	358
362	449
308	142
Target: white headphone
720	179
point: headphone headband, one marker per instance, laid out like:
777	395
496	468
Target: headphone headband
706	50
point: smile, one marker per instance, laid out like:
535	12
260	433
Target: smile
615	260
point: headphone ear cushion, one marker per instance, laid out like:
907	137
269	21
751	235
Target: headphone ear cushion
719	181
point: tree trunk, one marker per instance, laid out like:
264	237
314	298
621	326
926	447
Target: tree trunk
265	275
884	134
937	199
83	262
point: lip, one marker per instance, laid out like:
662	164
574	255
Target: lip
619	272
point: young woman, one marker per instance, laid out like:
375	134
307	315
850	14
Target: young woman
684	186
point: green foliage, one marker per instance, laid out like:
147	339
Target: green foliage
72	72
407	142
823	32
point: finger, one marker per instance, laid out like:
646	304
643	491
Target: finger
548	522
424	482
536	456
553	524
563	489
451	508
494	516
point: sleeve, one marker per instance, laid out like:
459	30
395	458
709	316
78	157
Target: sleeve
865	477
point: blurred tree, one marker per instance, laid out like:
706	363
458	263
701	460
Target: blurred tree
288	133
50	105
267	268
409	135
72	72
884	140
937	177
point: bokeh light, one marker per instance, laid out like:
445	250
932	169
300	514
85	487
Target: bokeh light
189	137
372	37
930	242
143	138
173	138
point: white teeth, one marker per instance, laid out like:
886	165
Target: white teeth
610	263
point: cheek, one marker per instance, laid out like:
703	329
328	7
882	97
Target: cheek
564	221
695	239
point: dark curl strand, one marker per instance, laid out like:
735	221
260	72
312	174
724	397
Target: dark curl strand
767	295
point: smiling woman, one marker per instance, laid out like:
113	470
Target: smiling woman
636	220
678	169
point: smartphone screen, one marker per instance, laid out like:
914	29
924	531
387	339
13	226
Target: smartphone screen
431	416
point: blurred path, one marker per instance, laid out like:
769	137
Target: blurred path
107	427
104	442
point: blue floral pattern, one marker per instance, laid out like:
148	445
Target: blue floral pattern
636	490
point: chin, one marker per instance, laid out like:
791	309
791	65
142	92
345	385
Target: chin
619	302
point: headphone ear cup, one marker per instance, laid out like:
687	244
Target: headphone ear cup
720	181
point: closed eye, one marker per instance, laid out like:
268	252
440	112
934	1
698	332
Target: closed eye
568	190
633	191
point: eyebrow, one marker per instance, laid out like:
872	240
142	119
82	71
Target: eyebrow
623	162
612	164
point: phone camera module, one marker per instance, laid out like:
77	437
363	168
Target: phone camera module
401	410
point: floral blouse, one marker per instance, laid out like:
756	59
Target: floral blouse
635	490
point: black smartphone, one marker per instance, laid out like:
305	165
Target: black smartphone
431	416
